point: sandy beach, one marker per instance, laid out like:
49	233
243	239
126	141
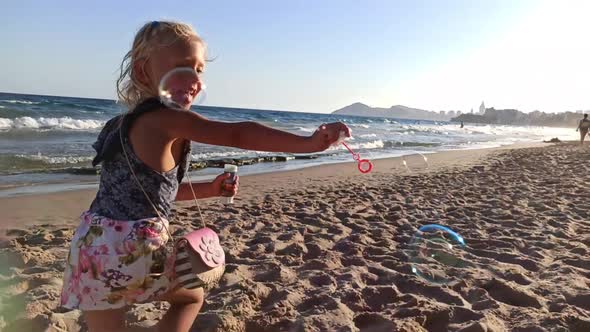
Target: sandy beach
326	248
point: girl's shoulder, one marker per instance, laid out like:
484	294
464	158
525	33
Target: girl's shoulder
108	141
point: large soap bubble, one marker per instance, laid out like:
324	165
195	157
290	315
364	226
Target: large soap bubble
437	254
180	88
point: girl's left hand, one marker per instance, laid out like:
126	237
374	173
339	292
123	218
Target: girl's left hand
220	188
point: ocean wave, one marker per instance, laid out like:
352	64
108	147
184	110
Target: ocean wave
360	126
388	144
53	160
64	123
307	130
368	136
38	163
26	102
15	112
406	144
226	154
87	107
367	145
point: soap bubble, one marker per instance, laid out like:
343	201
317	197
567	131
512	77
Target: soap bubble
180	88
415	162
437	254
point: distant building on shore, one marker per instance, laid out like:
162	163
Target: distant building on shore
482	108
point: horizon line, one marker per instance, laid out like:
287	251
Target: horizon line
271	110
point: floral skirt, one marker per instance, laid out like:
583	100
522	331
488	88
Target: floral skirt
115	263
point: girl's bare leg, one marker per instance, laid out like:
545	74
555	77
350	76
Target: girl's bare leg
185	305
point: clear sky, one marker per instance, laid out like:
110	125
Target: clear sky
318	56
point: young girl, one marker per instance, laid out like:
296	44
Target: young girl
121	239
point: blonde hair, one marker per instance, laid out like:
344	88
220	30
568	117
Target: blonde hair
151	36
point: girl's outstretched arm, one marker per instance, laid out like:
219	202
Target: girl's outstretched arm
245	135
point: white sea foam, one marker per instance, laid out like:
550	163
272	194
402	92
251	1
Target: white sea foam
65	123
306	129
226	154
26	102
56	159
367	145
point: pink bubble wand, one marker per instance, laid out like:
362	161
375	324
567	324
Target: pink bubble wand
364	165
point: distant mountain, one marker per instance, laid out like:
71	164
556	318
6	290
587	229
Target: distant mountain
397	111
515	117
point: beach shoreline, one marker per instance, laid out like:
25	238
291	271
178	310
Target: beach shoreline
88	177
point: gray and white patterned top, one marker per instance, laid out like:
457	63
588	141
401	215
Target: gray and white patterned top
119	196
